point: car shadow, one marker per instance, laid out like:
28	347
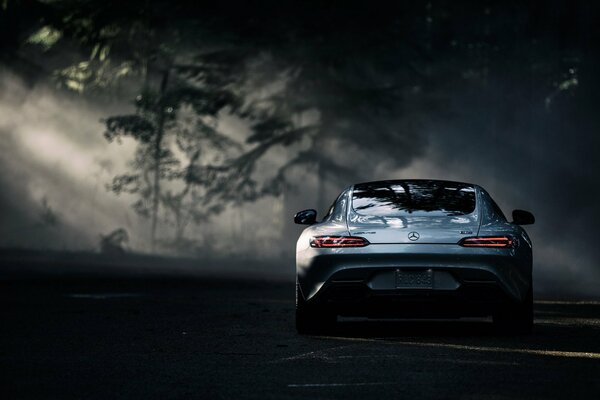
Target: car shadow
411	328
561	329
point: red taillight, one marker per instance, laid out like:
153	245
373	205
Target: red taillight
488	241
338	241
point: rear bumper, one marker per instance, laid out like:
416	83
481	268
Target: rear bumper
466	281
357	299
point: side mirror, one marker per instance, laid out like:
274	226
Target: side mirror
522	217
306	217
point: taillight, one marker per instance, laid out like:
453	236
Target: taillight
488	241
338	241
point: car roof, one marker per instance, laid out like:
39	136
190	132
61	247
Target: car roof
397	181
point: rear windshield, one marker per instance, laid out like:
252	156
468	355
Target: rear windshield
417	198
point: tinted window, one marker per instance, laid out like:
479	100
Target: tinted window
431	198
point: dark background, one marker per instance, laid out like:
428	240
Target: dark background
272	107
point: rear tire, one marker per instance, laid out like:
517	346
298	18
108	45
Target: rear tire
310	320
517	319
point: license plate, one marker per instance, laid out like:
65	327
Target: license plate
414	279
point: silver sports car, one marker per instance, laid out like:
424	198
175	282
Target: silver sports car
414	248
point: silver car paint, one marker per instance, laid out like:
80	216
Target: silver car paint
436	248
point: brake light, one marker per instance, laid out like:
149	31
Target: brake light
488	241
338	241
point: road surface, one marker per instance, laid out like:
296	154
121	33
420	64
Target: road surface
102	338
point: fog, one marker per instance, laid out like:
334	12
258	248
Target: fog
58	166
531	141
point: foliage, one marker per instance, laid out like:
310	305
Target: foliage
46	37
114	243
178	140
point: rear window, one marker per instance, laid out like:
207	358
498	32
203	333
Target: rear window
415	198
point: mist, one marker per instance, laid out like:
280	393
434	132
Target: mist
520	124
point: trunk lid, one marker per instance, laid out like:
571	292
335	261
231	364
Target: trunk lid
421	229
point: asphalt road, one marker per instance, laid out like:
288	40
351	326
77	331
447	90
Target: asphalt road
209	338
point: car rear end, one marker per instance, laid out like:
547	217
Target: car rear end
414	249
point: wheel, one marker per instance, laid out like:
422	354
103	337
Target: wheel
310	320
517	319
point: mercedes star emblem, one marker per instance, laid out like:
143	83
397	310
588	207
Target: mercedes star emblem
413	236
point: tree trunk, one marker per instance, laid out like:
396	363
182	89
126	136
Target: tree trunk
321	200
157	156
318	144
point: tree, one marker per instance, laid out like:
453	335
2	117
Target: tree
170	171
176	128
